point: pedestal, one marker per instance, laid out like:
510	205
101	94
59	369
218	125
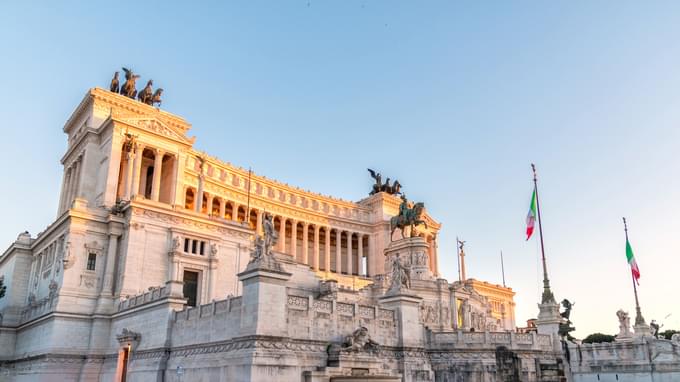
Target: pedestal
407	309
642	330
548	321
413	253
264	302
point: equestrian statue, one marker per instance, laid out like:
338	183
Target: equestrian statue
408	217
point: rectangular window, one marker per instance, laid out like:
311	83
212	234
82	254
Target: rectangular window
190	287
186	245
91	261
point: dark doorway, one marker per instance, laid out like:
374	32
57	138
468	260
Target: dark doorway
190	287
125	354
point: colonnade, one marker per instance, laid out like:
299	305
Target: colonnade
71	183
152	176
322	247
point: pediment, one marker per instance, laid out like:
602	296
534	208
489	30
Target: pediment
155	126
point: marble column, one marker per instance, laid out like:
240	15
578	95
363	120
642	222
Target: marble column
107	288
305	243
198	206
258	228
369	256
65	190
316	248
223	207
293	239
79	173
350	265
282	235
175	177
234	211
327	257
157	168
209	200
360	254
435	255
338	251
137	173
129	175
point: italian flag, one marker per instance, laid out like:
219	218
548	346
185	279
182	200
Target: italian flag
633	264
531	216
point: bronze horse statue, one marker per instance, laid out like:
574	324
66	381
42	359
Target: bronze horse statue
411	218
129	88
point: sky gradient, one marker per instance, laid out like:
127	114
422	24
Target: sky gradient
454	99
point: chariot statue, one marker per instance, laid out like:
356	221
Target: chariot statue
408	217
379	186
129	88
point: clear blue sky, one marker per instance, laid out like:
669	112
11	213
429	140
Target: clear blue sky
454	99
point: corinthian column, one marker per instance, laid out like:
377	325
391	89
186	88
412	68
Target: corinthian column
157	168
316	248
137	171
305	243
360	253
327	254
338	251
282	235
293	239
350	267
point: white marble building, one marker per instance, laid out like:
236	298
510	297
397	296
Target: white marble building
142	276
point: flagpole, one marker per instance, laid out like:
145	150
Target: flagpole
638	313
503	269
547	296
458	256
250	171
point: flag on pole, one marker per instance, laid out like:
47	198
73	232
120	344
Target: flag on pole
531	216
633	264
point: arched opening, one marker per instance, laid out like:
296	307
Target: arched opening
167	185
252	221
241	217
189	199
229	211
215	210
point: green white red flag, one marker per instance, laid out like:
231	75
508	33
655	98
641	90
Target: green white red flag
531	216
633	264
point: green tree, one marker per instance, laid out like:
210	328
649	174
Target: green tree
667	334
598	337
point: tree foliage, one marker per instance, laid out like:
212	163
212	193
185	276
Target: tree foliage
598	337
667	334
3	288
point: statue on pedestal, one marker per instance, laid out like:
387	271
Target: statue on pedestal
261	255
400	276
408	217
624	324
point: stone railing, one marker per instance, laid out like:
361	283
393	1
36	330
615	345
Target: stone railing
152	295
206	310
339	308
490	340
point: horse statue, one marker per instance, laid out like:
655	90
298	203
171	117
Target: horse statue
129	88
115	84
156	98
408	217
146	95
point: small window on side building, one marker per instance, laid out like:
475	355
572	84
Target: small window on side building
91	261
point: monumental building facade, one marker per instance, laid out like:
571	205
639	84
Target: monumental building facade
147	273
